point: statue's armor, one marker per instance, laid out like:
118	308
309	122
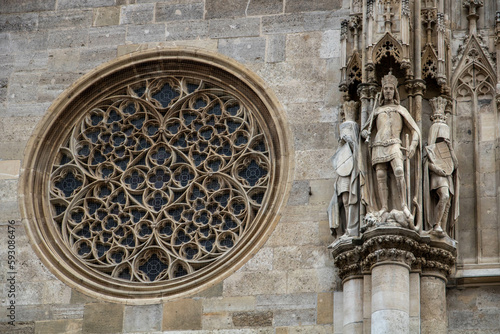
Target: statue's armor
387	143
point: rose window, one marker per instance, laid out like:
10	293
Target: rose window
159	181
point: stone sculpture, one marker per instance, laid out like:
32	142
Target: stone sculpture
343	211
441	178
392	138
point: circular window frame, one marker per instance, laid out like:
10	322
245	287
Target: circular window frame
70	107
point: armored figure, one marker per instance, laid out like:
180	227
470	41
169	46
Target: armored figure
343	211
391	137
441	179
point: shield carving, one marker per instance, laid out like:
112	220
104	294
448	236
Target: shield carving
343	161
440	155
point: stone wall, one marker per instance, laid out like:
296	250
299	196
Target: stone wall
288	286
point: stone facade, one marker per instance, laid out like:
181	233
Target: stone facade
291	284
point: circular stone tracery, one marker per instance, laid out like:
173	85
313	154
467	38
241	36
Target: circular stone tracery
154	182
161	177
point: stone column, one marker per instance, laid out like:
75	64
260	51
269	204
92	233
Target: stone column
390	298
347	258
438	259
390	255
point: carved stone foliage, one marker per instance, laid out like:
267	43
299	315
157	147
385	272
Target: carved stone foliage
393	245
160	179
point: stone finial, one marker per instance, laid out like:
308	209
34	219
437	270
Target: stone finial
438	105
473	5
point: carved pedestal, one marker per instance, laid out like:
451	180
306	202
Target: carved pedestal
394	281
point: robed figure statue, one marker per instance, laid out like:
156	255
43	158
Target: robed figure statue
343	211
392	140
441	179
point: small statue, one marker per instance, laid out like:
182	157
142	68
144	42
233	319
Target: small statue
343	211
393	138
441	179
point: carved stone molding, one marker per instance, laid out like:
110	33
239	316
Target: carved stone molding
426	254
415	87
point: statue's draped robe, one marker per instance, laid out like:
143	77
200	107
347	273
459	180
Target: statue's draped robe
440	130
368	179
338	225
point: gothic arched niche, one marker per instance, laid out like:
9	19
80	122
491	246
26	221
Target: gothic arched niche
476	133
156	175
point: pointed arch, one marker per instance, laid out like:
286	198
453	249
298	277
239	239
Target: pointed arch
386	47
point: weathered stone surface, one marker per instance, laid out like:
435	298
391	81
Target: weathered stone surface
186	30
146	33
22	86
315	110
103	318
249	49
297	213
321	192
65	19
313	136
37	60
9	169
16	6
229	304
255	283
49	312
299	195
19	328
182	314
91	58
235	8
14	127
214	291
253	319
67	4
68	38
286	302
79	298
313	164
217	320
18	22
303	257
238	27
63	60
175	12
325	308
304	45
59	326
53	84
300	22
4	82
142	318
137	14
314	5
106	16
295	233
104	37
330	46
263	260
12	150
275	49
325	329
280	74
28	41
299	317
